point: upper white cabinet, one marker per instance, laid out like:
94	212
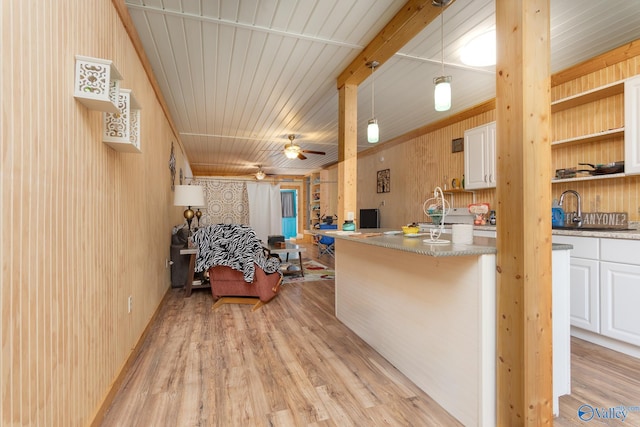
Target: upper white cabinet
480	157
632	125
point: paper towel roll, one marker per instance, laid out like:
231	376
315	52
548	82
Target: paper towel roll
462	234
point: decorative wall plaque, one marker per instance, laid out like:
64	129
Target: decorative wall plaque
384	181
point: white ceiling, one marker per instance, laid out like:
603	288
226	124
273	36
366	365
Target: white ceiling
240	75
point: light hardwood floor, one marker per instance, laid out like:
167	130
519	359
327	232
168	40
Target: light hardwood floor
292	363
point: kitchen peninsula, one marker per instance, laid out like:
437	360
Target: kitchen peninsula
431	311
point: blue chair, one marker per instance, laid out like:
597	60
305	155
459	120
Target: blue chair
326	244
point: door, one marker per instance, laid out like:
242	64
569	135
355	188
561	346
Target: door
289	213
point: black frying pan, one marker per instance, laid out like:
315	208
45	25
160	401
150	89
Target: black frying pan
608	168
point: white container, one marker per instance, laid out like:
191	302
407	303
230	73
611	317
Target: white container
462	234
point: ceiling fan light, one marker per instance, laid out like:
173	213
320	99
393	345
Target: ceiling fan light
260	175
442	93
373	132
291	151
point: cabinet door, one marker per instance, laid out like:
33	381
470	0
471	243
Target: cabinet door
490	159
478	157
584	294
620	294
632	125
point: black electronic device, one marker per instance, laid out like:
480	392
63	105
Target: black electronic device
369	218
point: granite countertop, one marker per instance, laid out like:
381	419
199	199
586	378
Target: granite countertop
480	246
633	234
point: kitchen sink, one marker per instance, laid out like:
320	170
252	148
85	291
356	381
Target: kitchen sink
611	230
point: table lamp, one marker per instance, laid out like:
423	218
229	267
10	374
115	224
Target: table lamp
188	195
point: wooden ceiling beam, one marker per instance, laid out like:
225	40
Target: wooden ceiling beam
414	16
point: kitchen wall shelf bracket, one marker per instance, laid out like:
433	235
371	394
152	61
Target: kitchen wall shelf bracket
97	84
121	130
611	89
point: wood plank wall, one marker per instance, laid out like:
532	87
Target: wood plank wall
423	161
83	227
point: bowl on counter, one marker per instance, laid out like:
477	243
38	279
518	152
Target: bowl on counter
410	229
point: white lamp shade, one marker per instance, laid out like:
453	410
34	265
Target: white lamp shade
442	93
188	195
373	132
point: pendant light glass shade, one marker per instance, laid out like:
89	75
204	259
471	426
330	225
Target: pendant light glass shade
442	93
373	133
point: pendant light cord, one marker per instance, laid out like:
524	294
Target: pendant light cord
442	37
373	81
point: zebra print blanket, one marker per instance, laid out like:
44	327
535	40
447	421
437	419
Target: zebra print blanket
235	246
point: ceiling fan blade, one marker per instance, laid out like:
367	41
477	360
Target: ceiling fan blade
301	156
314	152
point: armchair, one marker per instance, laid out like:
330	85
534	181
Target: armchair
240	269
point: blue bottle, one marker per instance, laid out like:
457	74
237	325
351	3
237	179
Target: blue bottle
557	215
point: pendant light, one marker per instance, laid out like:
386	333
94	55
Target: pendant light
373	132
442	92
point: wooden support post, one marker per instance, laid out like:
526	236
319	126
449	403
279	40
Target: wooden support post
347	150
524	336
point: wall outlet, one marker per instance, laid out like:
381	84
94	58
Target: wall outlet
382	203
129	303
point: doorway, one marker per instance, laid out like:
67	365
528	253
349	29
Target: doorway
289	200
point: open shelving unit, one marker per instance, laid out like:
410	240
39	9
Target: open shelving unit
583	98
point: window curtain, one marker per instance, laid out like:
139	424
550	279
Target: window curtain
265	209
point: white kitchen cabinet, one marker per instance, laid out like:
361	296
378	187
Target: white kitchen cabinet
584	294
620	296
584	281
632	125
480	157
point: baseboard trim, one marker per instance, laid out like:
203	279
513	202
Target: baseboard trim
601	340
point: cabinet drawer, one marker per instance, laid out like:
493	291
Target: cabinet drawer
583	247
620	250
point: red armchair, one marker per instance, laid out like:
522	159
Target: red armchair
240	269
228	286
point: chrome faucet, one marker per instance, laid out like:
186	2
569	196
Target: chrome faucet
577	219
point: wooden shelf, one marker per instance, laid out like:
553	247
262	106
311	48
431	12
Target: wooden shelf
588	96
594	137
589	178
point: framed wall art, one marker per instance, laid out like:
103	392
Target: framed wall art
384	181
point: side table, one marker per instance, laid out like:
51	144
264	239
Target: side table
190	284
289	248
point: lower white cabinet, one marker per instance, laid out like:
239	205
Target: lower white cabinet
620	297
605	287
584	294
585	281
